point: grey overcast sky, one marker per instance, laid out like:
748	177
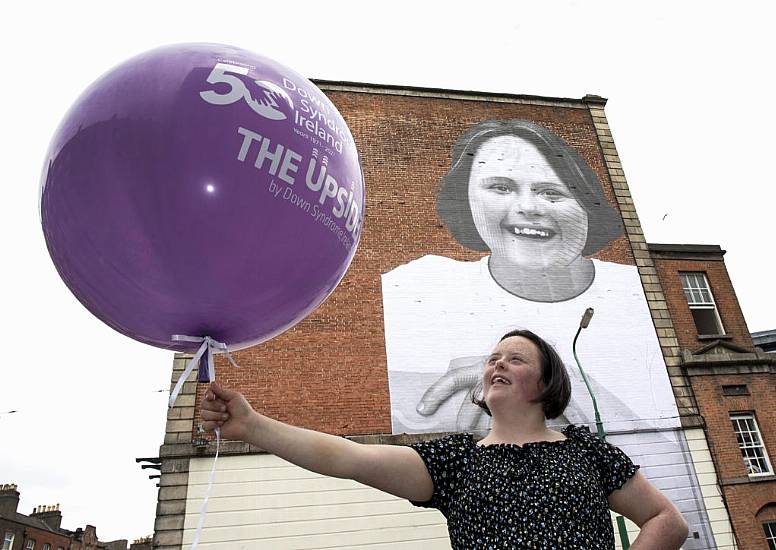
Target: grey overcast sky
691	107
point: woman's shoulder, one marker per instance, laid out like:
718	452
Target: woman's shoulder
592	442
576	431
582	434
458	440
449	448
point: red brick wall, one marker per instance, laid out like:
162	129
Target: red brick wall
748	527
746	499
329	372
724	295
42	537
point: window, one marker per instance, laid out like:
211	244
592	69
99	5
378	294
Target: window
701	302
47	546
770	534
738	389
30	544
751	444
8	540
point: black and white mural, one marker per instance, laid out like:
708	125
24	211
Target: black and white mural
521	195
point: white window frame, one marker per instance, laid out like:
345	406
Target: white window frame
770	533
30	544
754	444
697	291
47	546
8	540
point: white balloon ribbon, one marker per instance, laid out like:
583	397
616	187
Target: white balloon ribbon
203	510
208	348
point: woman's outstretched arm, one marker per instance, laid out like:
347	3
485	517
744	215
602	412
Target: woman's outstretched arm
662	526
394	469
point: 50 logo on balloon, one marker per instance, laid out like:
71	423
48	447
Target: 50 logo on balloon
278	159
267	105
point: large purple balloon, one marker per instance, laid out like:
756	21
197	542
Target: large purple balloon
201	189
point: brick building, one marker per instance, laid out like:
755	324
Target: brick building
733	381
42	529
765	340
342	370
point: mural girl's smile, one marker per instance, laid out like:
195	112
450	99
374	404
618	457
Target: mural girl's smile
533	232
522	209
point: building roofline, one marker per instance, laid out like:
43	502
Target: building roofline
764	338
472	95
36	523
686	251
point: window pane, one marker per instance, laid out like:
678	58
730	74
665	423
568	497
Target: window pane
706	321
696	289
751	445
697	297
770	534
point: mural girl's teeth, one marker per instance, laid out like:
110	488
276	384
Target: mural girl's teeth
531	232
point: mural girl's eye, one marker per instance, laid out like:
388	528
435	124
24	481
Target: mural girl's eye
499	185
552	194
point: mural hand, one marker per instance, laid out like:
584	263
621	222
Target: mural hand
464	373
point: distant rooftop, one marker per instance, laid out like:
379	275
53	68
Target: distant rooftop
696	251
394	89
765	339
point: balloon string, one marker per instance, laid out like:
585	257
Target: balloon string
208	348
203	510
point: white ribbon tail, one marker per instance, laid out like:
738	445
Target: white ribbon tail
210	347
203	510
189	367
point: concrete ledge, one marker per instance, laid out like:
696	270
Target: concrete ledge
169	539
461	95
743	480
691	420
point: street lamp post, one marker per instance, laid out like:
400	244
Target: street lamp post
583	324
598	424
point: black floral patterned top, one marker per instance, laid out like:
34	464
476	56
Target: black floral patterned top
549	494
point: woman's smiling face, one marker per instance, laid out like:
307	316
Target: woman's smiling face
521	208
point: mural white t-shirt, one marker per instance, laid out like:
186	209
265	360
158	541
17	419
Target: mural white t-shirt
439	310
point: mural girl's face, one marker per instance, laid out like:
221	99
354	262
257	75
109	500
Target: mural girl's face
513	372
521	208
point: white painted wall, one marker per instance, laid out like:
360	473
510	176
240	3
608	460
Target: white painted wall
718	519
707	478
263	502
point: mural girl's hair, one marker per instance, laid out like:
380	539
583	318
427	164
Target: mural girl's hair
604	223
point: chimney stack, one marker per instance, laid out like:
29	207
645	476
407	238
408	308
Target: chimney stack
50	515
9	500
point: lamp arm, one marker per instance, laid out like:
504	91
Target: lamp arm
598	424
